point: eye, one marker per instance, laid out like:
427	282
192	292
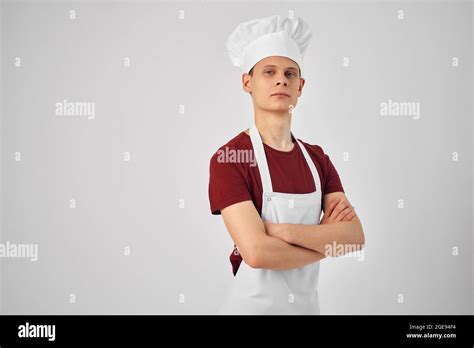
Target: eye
291	73
268	71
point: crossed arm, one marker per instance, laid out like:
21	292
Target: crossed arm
286	246
333	236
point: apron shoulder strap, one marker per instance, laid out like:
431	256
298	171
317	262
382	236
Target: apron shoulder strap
312	167
259	154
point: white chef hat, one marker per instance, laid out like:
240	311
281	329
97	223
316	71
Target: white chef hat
257	39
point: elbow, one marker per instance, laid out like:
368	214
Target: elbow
253	262
254	257
357	233
361	236
357	242
354	243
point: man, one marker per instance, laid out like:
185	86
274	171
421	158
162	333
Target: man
272	210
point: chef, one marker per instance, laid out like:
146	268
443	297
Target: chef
272	210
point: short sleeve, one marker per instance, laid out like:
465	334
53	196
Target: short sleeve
227	184
333	181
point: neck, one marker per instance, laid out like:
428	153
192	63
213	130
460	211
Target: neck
275	129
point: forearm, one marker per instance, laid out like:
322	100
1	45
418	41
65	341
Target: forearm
325	238
276	254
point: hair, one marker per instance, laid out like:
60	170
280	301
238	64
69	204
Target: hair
251	71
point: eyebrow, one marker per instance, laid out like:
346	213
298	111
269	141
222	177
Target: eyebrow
273	66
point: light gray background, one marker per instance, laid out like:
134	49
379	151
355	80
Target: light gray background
184	62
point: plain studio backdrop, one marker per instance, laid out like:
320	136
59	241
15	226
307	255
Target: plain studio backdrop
115	195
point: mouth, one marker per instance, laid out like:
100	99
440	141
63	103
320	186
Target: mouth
280	95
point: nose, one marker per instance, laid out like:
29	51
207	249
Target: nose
282	79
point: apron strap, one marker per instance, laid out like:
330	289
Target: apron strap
259	154
312	167
261	158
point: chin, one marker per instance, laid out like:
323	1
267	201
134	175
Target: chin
282	105
280	109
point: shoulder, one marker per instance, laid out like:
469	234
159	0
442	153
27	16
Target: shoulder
316	151
320	157
227	152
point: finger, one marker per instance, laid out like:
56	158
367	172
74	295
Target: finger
343	213
331	207
349	216
345	208
340	207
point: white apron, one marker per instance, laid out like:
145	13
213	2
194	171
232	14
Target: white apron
266	291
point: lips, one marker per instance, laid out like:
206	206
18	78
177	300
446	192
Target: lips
280	94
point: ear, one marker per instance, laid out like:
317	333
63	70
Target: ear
302	82
246	82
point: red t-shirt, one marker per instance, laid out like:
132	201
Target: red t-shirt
237	179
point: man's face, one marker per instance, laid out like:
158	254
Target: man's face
274	75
